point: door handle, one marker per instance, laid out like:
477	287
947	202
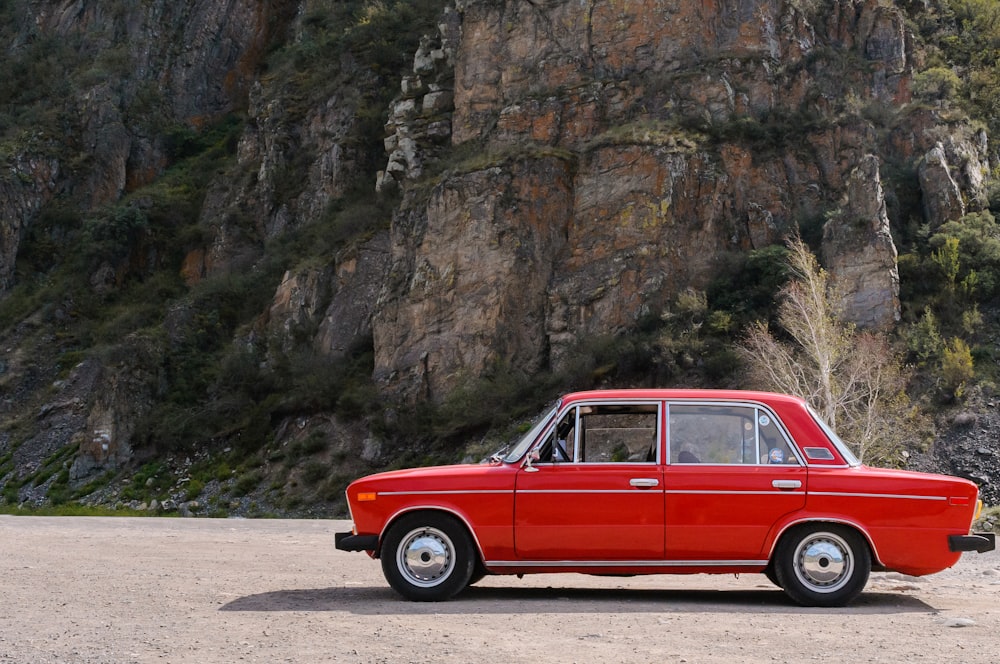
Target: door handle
644	482
786	484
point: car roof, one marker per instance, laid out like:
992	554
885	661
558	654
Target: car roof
668	394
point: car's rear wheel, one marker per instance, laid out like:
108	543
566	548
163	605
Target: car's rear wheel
427	556
772	575
822	564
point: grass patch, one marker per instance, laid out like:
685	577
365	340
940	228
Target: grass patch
51	466
152	480
70	509
247	483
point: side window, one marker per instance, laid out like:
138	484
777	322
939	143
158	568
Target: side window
712	434
615	433
722	434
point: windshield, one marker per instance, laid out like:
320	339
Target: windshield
841	446
528	438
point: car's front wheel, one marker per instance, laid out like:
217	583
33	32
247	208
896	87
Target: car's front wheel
822	564
427	556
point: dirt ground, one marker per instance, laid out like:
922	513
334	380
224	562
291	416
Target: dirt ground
111	590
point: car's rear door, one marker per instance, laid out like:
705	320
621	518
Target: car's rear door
731	475
603	499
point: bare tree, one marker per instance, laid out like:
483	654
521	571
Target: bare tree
852	378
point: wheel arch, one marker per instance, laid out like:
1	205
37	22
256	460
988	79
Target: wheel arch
440	509
840	521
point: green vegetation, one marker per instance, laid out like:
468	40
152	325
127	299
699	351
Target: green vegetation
947	281
150	481
965	66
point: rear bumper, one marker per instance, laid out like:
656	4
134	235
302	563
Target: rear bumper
351	542
979	542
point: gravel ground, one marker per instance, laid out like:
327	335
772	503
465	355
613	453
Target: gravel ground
110	590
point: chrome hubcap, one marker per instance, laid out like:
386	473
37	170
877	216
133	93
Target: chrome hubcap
425	557
823	562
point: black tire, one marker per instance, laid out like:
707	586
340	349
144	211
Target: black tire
772	576
478	573
428	556
822	564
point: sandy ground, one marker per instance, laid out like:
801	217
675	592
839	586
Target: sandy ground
205	590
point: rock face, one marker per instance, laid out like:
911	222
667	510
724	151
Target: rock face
25	186
634	124
356	284
565	169
474	269
329	307
277	141
859	252
942	197
190	61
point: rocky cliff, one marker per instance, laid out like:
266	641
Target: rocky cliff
546	173
630	147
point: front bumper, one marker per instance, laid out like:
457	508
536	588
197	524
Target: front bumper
351	542
979	542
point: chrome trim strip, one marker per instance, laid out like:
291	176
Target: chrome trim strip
590	491
457	492
625	563
844	494
601	464
695	492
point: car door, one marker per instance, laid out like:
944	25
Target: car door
596	491
731	475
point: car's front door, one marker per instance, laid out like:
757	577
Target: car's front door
731	475
596	491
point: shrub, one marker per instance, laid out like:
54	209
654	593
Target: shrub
970	246
247	483
193	489
10	494
924	338
314	472
937	84
956	366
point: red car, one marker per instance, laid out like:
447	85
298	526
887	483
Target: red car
625	482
